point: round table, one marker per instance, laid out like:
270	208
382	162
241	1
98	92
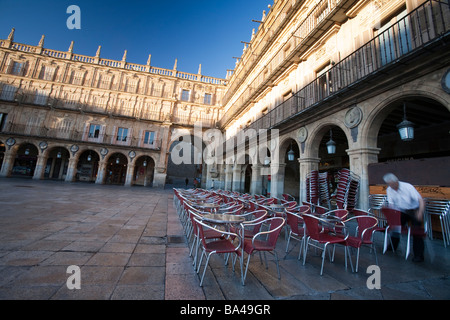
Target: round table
223	218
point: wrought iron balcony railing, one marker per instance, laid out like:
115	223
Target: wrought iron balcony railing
426	24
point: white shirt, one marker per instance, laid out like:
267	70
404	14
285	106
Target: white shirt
405	198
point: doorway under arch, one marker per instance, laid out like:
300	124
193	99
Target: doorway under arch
25	161
116	169
144	171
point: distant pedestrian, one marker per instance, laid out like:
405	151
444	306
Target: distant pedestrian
405	198
187	182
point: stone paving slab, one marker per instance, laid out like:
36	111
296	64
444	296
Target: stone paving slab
130	245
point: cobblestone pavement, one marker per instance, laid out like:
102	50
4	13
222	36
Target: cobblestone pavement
129	245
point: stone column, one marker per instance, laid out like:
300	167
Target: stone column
228	177
360	159
159	179
277	179
40	167
256	183
101	173
236	182
129	174
306	166
8	163
71	170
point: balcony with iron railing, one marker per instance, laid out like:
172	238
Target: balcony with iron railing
133	111
426	25
68	55
319	19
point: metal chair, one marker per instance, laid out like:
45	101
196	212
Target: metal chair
363	236
440	208
314	226
217	246
295	223
263	241
393	218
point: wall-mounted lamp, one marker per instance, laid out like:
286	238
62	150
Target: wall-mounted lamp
406	128
331	145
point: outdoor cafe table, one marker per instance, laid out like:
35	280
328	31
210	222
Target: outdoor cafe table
276	208
207	206
223	218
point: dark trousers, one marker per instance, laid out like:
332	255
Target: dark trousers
417	232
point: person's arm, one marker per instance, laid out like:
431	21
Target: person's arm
419	213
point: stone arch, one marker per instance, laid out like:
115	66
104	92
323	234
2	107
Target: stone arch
144	170
376	115
116	168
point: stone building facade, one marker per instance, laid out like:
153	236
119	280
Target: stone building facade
313	71
73	117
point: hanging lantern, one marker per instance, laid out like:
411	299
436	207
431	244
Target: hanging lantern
331	145
58	155
117	160
291	154
406	128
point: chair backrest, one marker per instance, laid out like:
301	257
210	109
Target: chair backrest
392	215
437	206
321	210
251	205
275	225
376	201
339	213
359	212
294	220
290	204
366	225
313	228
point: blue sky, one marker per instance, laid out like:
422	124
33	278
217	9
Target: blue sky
207	32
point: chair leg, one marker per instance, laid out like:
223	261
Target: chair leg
278	266
246	268
357	260
204	270
288	240
305	250
323	257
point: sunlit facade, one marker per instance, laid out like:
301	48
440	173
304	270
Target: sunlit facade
314	71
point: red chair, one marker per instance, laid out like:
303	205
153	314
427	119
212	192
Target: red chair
379	227
364	232
252	226
338	213
314	227
290	204
264	241
320	210
296	226
218	246
394	222
208	234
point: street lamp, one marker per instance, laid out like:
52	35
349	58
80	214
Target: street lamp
406	128
331	145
